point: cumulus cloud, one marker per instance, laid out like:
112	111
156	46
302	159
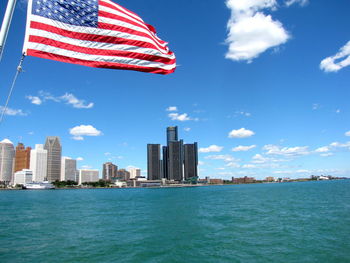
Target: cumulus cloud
12	112
243	148
171	108
338	61
241	133
84	130
80	159
300	2
347	133
324	149
211	148
251	32
34	99
181	117
187	129
233	165
67	98
286	151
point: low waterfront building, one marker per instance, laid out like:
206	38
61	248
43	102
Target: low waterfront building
88	176
134	172
23	177
216	181
243	180
123	175
270	179
68	169
109	171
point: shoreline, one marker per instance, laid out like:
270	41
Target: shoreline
171	186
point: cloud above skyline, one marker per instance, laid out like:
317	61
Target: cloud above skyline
211	148
242	148
250	31
67	98
241	133
79	132
12	112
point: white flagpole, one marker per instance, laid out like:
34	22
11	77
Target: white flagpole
6	24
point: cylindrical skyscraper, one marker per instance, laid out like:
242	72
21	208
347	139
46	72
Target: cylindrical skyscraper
7	155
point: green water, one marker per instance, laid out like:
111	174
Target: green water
290	222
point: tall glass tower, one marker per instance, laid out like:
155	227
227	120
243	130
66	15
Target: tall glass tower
171	134
54	154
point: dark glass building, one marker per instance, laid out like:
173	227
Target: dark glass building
171	134
153	162
175	160
190	160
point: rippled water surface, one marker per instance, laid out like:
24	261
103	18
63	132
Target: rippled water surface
290	222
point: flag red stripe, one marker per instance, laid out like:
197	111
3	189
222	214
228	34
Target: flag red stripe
103	52
96	64
120	18
93	37
121	10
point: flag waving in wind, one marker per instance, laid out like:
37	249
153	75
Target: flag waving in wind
95	33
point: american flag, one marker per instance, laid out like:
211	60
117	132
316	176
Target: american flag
95	33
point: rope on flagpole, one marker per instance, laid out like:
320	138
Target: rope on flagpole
19	70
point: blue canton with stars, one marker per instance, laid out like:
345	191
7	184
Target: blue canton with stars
73	12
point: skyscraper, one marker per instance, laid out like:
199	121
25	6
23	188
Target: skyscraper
68	169
7	155
109	171
153	162
175	160
38	163
54	152
190	160
171	134
22	157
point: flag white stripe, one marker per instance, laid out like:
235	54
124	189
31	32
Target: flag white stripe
95	31
123	9
112	21
98	45
99	58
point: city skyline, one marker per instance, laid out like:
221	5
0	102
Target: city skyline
280	110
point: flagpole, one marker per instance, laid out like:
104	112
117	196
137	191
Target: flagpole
6	24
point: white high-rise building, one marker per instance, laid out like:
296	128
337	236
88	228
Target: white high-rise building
88	176
68	169
23	177
134	172
38	163
7	155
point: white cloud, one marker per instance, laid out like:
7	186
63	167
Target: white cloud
171	108
34	99
67	98
86	167
243	148
340	145
181	117
233	165
211	148
241	133
12	112
286	151
300	2
316	106
187	129
338	61
322	149
347	133
200	163
260	159
84	130
79	159
338	111
326	154
252	32
76	103
249	166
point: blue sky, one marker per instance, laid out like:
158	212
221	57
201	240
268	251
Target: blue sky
261	85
